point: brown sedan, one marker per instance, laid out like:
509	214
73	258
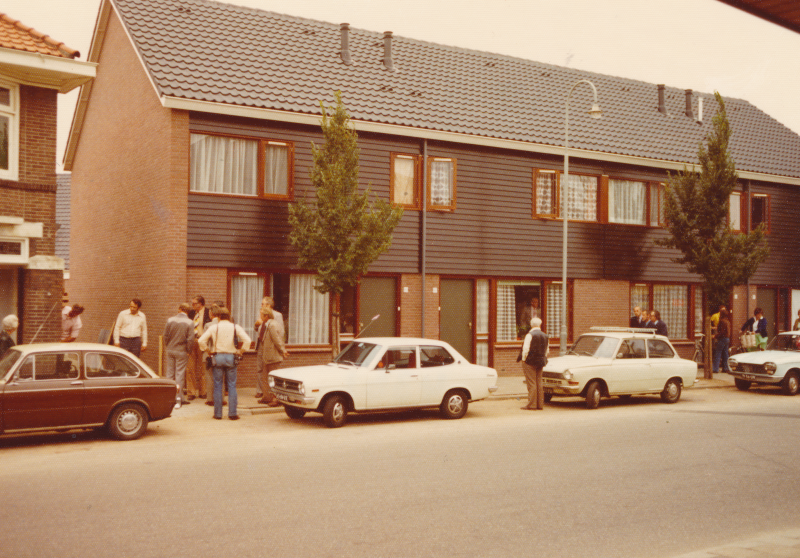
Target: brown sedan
81	385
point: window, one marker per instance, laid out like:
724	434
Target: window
240	166
633	348
671	301
515	308
9	131
50	366
399	357
442	183
101	365
247	290
554	294
405	180
627	202
759	211
582	195
657	205
659	348
308	312
434	356
735	212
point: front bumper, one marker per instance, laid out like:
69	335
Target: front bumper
560	387
295	399
757	378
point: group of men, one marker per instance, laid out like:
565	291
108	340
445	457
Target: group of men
651	320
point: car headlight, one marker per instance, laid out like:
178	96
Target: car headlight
301	388
271	381
567	375
770	367
732	364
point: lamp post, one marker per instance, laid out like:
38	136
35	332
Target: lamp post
594	112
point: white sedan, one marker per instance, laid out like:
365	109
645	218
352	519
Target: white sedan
381	373
619	362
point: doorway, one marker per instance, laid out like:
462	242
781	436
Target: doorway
456	303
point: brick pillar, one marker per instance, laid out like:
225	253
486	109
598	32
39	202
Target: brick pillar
42	285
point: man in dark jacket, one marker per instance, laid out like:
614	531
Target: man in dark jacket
178	341
534	358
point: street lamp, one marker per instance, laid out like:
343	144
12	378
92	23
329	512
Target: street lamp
595	113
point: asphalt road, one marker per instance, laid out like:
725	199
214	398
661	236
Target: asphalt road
634	478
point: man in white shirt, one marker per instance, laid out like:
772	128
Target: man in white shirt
70	322
130	329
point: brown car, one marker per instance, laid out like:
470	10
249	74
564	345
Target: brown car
81	385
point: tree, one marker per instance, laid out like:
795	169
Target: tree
696	211
343	231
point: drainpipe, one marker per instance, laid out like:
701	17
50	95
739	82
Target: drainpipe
424	235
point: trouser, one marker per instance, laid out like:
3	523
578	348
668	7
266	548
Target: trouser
721	353
131	344
225	366
266	368
195	372
176	368
533	379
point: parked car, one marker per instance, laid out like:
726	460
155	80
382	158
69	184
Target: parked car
779	365
81	385
619	362
378	373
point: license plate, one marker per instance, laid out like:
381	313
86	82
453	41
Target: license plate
282	397
748	377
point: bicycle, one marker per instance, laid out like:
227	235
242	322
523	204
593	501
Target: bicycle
699	350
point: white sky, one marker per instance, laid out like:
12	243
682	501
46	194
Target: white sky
690	44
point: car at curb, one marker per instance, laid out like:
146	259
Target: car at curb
384	373
618	362
64	386
778	366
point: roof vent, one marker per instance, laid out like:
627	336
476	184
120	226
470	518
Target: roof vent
689	111
345	54
662	108
387	51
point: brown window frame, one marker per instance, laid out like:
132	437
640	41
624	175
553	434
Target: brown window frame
261	170
428	204
767	204
559	174
534	199
417	159
742	213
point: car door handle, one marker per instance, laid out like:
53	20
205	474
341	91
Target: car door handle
77	383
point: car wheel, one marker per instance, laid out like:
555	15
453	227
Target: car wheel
672	391
593	395
454	405
335	412
128	421
791	384
294	412
741	385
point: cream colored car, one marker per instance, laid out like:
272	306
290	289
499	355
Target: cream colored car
619	362
381	373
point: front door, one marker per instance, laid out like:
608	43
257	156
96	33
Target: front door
456	300
767	300
378	297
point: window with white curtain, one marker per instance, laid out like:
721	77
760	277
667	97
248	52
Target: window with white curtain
735	212
482	322
672	302
247	290
405	180
554	294
512	298
442	183
276	169
545	193
582	198
9	131
699	317
627	202
308	312
640	296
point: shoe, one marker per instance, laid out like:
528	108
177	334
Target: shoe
190	397
210	403
217	418
185	402
202	396
234	417
259	395
273	403
263	402
527	409
224	402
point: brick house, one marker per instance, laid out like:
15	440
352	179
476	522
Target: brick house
34	69
195	136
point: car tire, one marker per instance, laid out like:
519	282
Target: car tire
672	391
128	421
294	412
742	385
791	384
593	395
454	404
334	413
548	397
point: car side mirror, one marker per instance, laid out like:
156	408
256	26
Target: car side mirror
620	355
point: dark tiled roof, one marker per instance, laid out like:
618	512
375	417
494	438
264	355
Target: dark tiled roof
208	51
16	35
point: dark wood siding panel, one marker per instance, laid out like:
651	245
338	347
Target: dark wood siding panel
782	266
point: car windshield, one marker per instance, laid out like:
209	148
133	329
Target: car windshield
598	346
355	353
785	343
8	361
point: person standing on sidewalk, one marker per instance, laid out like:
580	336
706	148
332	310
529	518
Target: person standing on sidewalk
195	371
130	329
722	341
229	338
534	358
179	341
273	352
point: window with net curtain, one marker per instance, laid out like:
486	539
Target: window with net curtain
545	194
627	202
511	297
672	302
8	122
442	182
276	169
404	180
582	198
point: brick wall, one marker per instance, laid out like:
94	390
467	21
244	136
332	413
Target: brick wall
37	135
599	303
129	198
411	306
41	305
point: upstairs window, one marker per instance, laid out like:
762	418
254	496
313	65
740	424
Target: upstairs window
240	166
759	211
582	196
545	193
9	131
442	183
735	212
405	180
627	202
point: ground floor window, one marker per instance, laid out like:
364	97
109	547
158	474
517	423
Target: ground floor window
671	301
517	303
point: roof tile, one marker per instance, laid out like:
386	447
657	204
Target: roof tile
18	36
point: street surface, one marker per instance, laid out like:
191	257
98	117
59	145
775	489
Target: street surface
635	478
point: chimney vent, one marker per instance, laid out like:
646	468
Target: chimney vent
699	110
387	51
662	108
689	111
345	31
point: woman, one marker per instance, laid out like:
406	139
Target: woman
226	348
10	325
758	325
722	341
273	351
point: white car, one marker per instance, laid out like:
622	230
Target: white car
380	373
779	365
619	362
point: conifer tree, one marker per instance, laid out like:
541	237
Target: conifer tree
696	211
342	232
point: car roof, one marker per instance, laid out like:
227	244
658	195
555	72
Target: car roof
42	347
402	341
624	332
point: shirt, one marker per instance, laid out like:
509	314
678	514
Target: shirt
131	325
179	333
70	327
222	336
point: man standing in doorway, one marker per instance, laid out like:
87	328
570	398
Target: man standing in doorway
130	329
534	359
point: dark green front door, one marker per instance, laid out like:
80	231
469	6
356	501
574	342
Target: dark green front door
456	300
378	295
